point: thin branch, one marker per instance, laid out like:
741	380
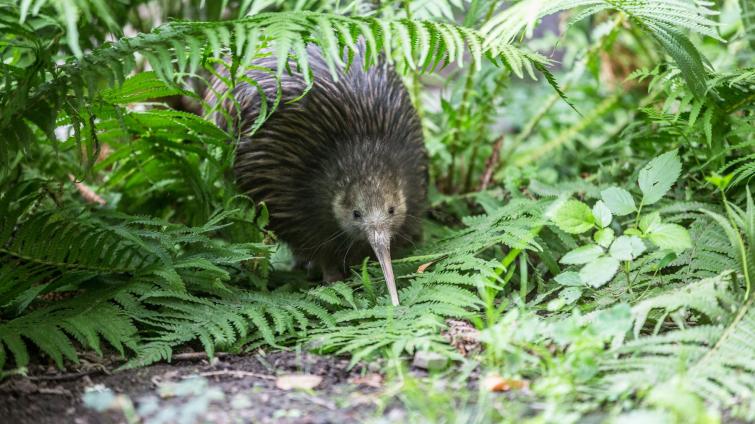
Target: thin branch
490	164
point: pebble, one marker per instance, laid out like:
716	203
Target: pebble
430	361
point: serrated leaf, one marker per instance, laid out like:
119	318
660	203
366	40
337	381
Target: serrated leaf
582	255
650	220
618	200
599	271
570	295
614	321
574	217
603	237
670	236
602	214
627	248
657	177
569	278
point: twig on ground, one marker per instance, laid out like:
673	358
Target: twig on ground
232	373
71	376
196	356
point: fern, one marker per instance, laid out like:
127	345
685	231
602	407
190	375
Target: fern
224	321
176	50
87	319
68	250
460	268
420	44
716	355
659	18
715	358
70	11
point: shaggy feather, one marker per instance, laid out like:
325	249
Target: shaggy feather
356	138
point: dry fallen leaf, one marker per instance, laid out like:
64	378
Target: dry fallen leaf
423	267
298	381
496	383
372	380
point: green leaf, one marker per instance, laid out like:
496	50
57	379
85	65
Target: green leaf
721	182
574	217
627	248
670	236
582	255
602	214
570	295
569	278
657	177
685	54
614	321
603	237
618	200
599	271
650	220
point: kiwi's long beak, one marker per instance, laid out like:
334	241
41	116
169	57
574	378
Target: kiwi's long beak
381	245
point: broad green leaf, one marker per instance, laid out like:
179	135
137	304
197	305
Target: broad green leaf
627	248
555	304
602	214
574	217
657	177
570	295
603	237
721	182
638	246
618	200
650	220
670	236
614	321
582	255
599	271
569	278
565	297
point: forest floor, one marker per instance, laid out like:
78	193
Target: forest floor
229	389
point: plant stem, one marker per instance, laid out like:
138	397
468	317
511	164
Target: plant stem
523	277
456	135
742	249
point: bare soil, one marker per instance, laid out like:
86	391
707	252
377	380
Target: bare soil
232	389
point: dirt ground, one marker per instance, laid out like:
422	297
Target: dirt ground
231	389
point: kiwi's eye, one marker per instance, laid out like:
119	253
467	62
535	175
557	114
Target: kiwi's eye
391	210
357	214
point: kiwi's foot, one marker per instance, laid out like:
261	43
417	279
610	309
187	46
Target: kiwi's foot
332	275
301	264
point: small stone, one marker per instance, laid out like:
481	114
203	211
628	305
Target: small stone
298	381
430	361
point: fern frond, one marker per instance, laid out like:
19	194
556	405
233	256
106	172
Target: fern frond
226	321
717	359
86	319
414	39
660	18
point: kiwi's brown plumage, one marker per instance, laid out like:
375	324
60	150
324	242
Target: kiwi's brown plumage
355	140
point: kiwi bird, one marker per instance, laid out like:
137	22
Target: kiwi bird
342	169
